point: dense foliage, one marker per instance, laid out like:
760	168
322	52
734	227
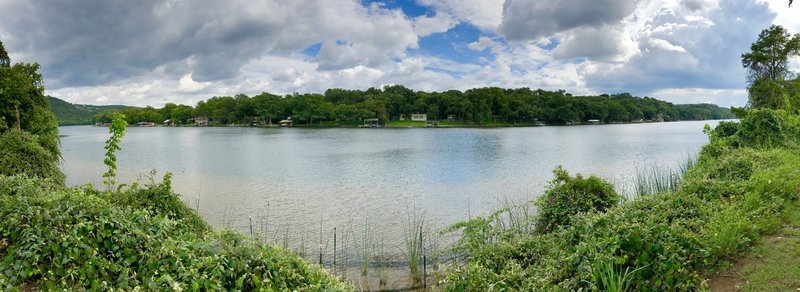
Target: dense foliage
68	114
475	106
20	152
568	196
80	238
142	238
23	105
736	192
28	130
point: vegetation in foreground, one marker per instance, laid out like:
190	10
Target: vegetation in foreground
144	237
737	192
772	263
743	183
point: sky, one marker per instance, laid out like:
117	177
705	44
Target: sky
151	52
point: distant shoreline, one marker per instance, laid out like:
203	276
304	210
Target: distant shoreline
421	125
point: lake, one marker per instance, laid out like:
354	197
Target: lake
295	184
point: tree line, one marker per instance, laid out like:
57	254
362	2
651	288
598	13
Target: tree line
475	106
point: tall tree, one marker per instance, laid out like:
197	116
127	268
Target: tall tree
769	55
767	64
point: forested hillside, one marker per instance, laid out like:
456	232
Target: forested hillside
77	114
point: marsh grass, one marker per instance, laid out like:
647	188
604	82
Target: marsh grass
608	278
379	261
364	249
413	235
658	179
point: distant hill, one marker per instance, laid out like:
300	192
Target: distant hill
78	114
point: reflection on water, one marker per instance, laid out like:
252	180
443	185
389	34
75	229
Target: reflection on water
300	183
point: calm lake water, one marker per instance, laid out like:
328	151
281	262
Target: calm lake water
296	182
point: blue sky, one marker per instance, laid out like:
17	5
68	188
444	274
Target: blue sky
157	51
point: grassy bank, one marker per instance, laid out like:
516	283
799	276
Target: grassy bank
738	189
771	265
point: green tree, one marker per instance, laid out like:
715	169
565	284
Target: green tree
769	55
24	106
767	93
767	64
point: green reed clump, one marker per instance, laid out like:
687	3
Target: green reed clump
659	179
413	235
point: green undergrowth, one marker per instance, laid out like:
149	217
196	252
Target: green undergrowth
142	238
772	264
736	192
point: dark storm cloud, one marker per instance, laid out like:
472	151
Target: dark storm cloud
531	19
95	42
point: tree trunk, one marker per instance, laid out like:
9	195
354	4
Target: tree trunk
19	123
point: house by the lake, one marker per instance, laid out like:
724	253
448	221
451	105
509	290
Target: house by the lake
419	117
286	123
201	121
146	124
371	123
593	122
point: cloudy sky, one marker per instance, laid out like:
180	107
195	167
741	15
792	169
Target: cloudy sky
149	52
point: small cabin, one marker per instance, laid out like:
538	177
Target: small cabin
146	124
371	123
201	121
168	123
286	123
419	117
593	122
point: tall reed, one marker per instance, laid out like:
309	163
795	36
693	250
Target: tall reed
413	236
658	179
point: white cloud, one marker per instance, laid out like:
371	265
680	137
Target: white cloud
485	14
721	97
187	84
482	43
153	52
604	43
665	45
441	22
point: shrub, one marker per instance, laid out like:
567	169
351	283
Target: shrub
568	196
158	199
75	239
763	128
21	153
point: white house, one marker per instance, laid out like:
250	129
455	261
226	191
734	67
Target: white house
419	117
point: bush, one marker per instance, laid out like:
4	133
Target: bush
158	199
21	153
75	239
568	196
763	128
